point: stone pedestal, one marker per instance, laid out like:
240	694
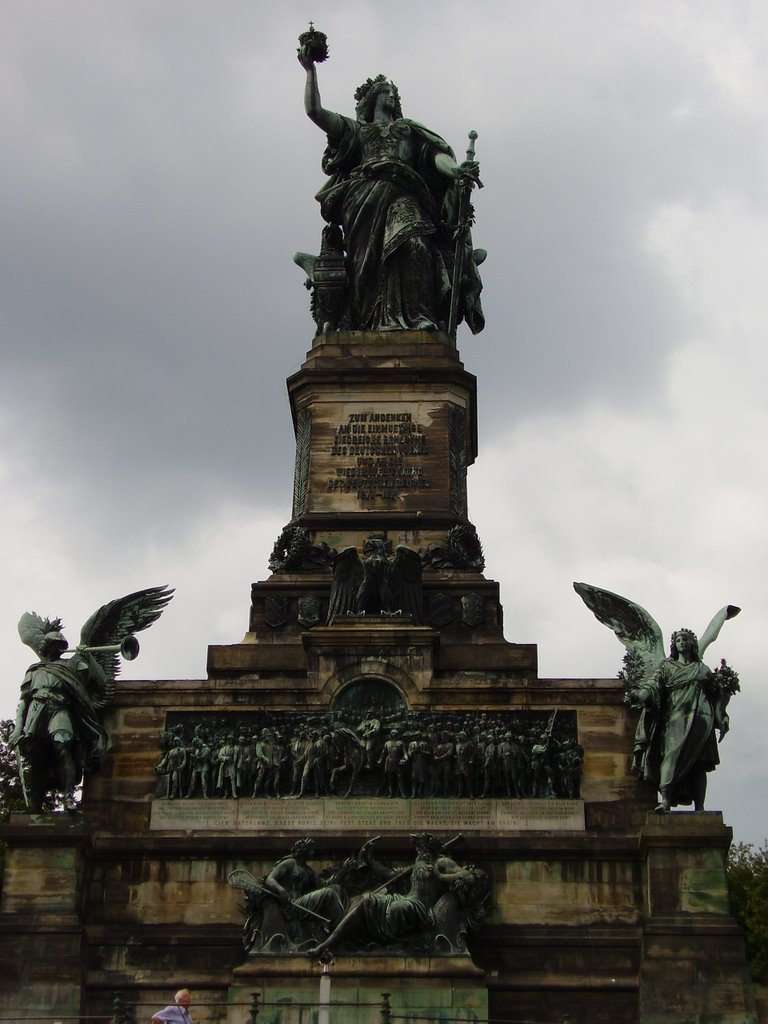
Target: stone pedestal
385	429
41	928
441	988
692	964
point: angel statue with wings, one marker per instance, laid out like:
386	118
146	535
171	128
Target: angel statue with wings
58	731
683	701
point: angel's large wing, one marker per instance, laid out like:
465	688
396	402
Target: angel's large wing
710	634
633	626
405	581
111	623
347	576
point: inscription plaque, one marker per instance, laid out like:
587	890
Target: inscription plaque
263	815
375	455
194	815
532	815
366	815
381	455
459	814
381	816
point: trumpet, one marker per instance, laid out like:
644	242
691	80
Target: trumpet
128	648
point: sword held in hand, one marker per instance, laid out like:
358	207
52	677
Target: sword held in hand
465	183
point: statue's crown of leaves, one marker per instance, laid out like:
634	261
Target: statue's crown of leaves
684	631
362	90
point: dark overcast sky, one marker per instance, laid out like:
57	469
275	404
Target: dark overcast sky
159	172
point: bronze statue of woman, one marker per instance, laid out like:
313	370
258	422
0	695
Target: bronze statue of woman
392	189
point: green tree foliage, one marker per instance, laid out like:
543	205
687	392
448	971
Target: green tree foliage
748	888
11	795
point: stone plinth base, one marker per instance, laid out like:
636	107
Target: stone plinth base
289	988
41	933
692	966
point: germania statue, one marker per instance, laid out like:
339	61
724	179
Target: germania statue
397	252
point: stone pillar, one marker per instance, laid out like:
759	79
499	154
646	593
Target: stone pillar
437	988
41	930
385	427
692	965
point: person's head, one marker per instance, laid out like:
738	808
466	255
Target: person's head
182	997
53	645
377	92
384	103
684	644
428	846
303	848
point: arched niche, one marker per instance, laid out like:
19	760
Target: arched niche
359	696
372	671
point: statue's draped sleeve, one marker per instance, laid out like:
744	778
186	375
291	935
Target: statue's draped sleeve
342	153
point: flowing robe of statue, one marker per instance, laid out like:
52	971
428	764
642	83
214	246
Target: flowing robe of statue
291	879
388	917
394	207
440	891
680	735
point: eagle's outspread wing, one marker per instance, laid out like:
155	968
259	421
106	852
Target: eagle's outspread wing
348	574
405	582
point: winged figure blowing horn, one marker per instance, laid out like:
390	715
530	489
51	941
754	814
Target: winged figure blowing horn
58	734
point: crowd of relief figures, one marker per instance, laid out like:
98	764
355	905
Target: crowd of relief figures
381	751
